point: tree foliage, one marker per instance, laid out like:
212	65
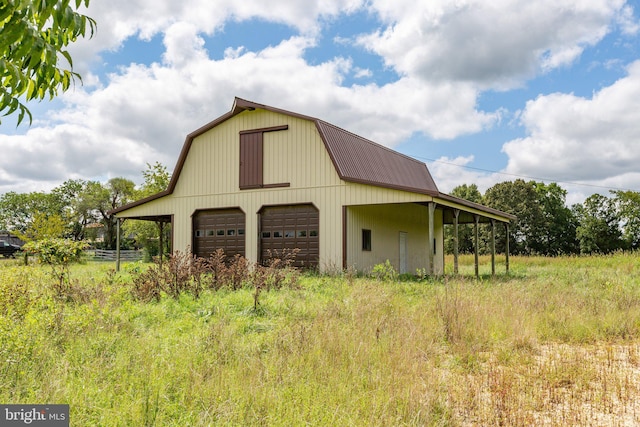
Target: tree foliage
104	198
156	179
599	230
520	199
18	210
546	226
33	40
465	231
44	226
557	228
628	208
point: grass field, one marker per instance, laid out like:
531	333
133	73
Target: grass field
556	343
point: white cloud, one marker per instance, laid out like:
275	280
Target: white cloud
495	44
572	138
120	19
450	173
143	113
447	52
628	22
183	45
360	73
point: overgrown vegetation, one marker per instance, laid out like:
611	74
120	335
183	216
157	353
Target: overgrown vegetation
554	343
58	254
186	273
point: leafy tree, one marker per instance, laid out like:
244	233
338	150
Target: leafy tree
599	229
17	210
44	226
521	199
104	198
94	201
75	216
34	38
628	208
465	231
557	229
156	180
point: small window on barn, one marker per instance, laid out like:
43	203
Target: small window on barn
199	233
220	232
290	234
302	233
313	233
366	240
277	234
210	232
231	232
240	231
266	234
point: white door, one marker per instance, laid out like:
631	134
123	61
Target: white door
403	252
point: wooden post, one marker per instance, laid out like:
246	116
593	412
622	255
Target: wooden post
117	244
161	240
506	247
456	214
493	247
476	220
430	246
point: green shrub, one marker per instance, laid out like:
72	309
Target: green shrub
384	271
58	254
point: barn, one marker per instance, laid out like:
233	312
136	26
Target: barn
260	179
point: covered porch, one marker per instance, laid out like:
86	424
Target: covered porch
457	211
161	222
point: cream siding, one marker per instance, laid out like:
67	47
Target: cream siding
210	179
386	222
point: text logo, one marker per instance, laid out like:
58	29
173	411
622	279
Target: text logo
34	415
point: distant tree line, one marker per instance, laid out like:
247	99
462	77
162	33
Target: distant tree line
79	210
545	225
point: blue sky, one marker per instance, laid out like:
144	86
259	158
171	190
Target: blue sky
482	92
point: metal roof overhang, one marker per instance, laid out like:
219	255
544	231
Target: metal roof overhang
468	210
155	218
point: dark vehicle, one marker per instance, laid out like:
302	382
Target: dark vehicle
7	249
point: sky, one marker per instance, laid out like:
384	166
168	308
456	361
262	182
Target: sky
482	92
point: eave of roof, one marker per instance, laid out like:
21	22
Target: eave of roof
466	203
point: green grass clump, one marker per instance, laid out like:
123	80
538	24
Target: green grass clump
555	342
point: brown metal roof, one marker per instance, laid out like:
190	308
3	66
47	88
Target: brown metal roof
359	160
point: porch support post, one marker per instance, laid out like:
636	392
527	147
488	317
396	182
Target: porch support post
493	247
344	238
161	240
430	246
476	220
456	214
506	245
117	244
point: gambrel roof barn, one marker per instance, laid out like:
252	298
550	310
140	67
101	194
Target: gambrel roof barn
259	179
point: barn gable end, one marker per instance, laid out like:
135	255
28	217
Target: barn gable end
260	177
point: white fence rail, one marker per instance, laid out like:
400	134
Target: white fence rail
110	255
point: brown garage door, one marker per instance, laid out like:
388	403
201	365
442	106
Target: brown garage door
219	228
289	227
